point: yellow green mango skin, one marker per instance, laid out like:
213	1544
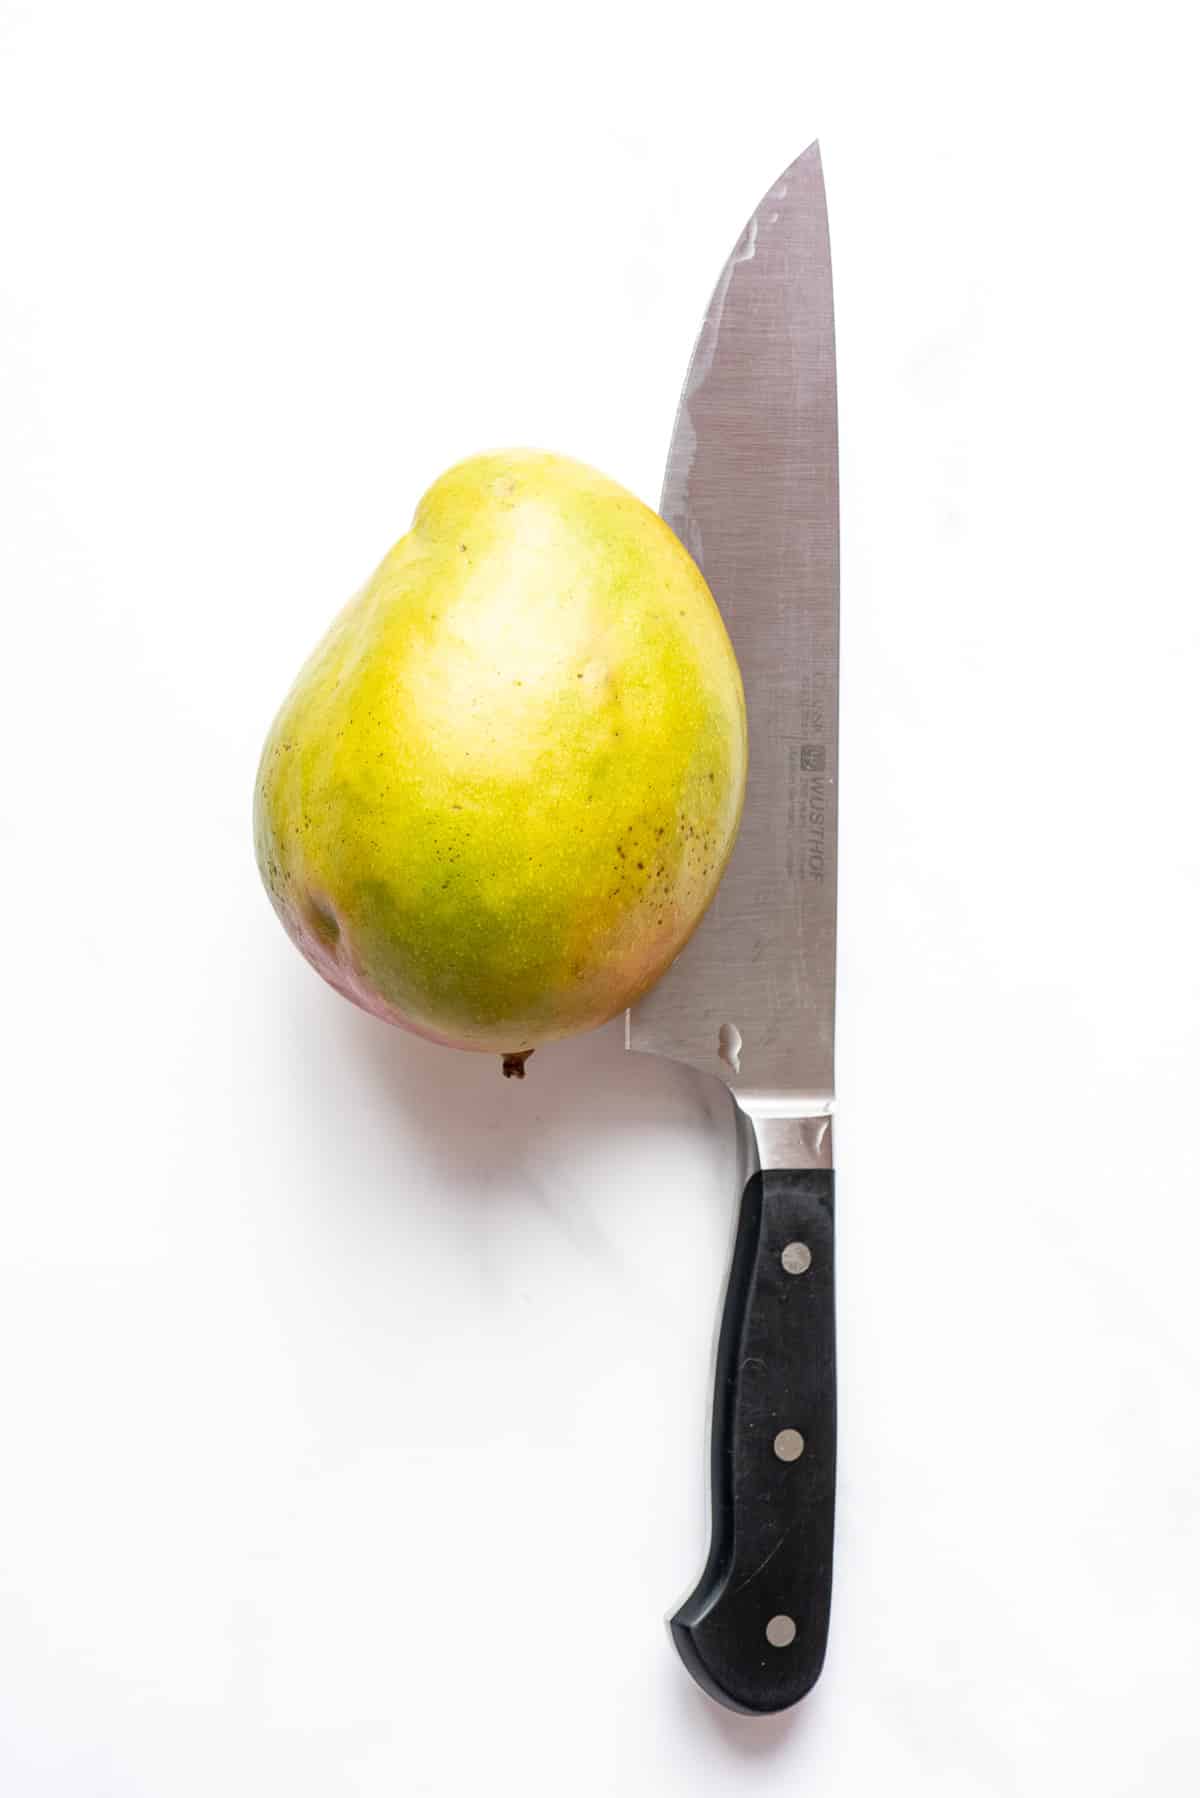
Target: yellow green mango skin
503	789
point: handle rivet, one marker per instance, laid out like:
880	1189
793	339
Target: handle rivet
796	1258
781	1632
789	1445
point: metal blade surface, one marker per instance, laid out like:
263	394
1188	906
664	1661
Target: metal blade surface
751	489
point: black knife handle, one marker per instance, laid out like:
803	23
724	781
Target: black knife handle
753	1633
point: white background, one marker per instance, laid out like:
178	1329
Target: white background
351	1398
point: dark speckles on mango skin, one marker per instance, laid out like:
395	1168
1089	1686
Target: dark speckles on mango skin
503	789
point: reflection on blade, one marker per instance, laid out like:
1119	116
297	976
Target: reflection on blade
751	488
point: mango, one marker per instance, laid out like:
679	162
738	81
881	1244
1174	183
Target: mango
503	788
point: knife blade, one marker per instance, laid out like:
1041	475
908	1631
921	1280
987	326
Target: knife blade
751	489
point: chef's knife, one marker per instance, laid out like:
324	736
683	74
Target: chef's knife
751	489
